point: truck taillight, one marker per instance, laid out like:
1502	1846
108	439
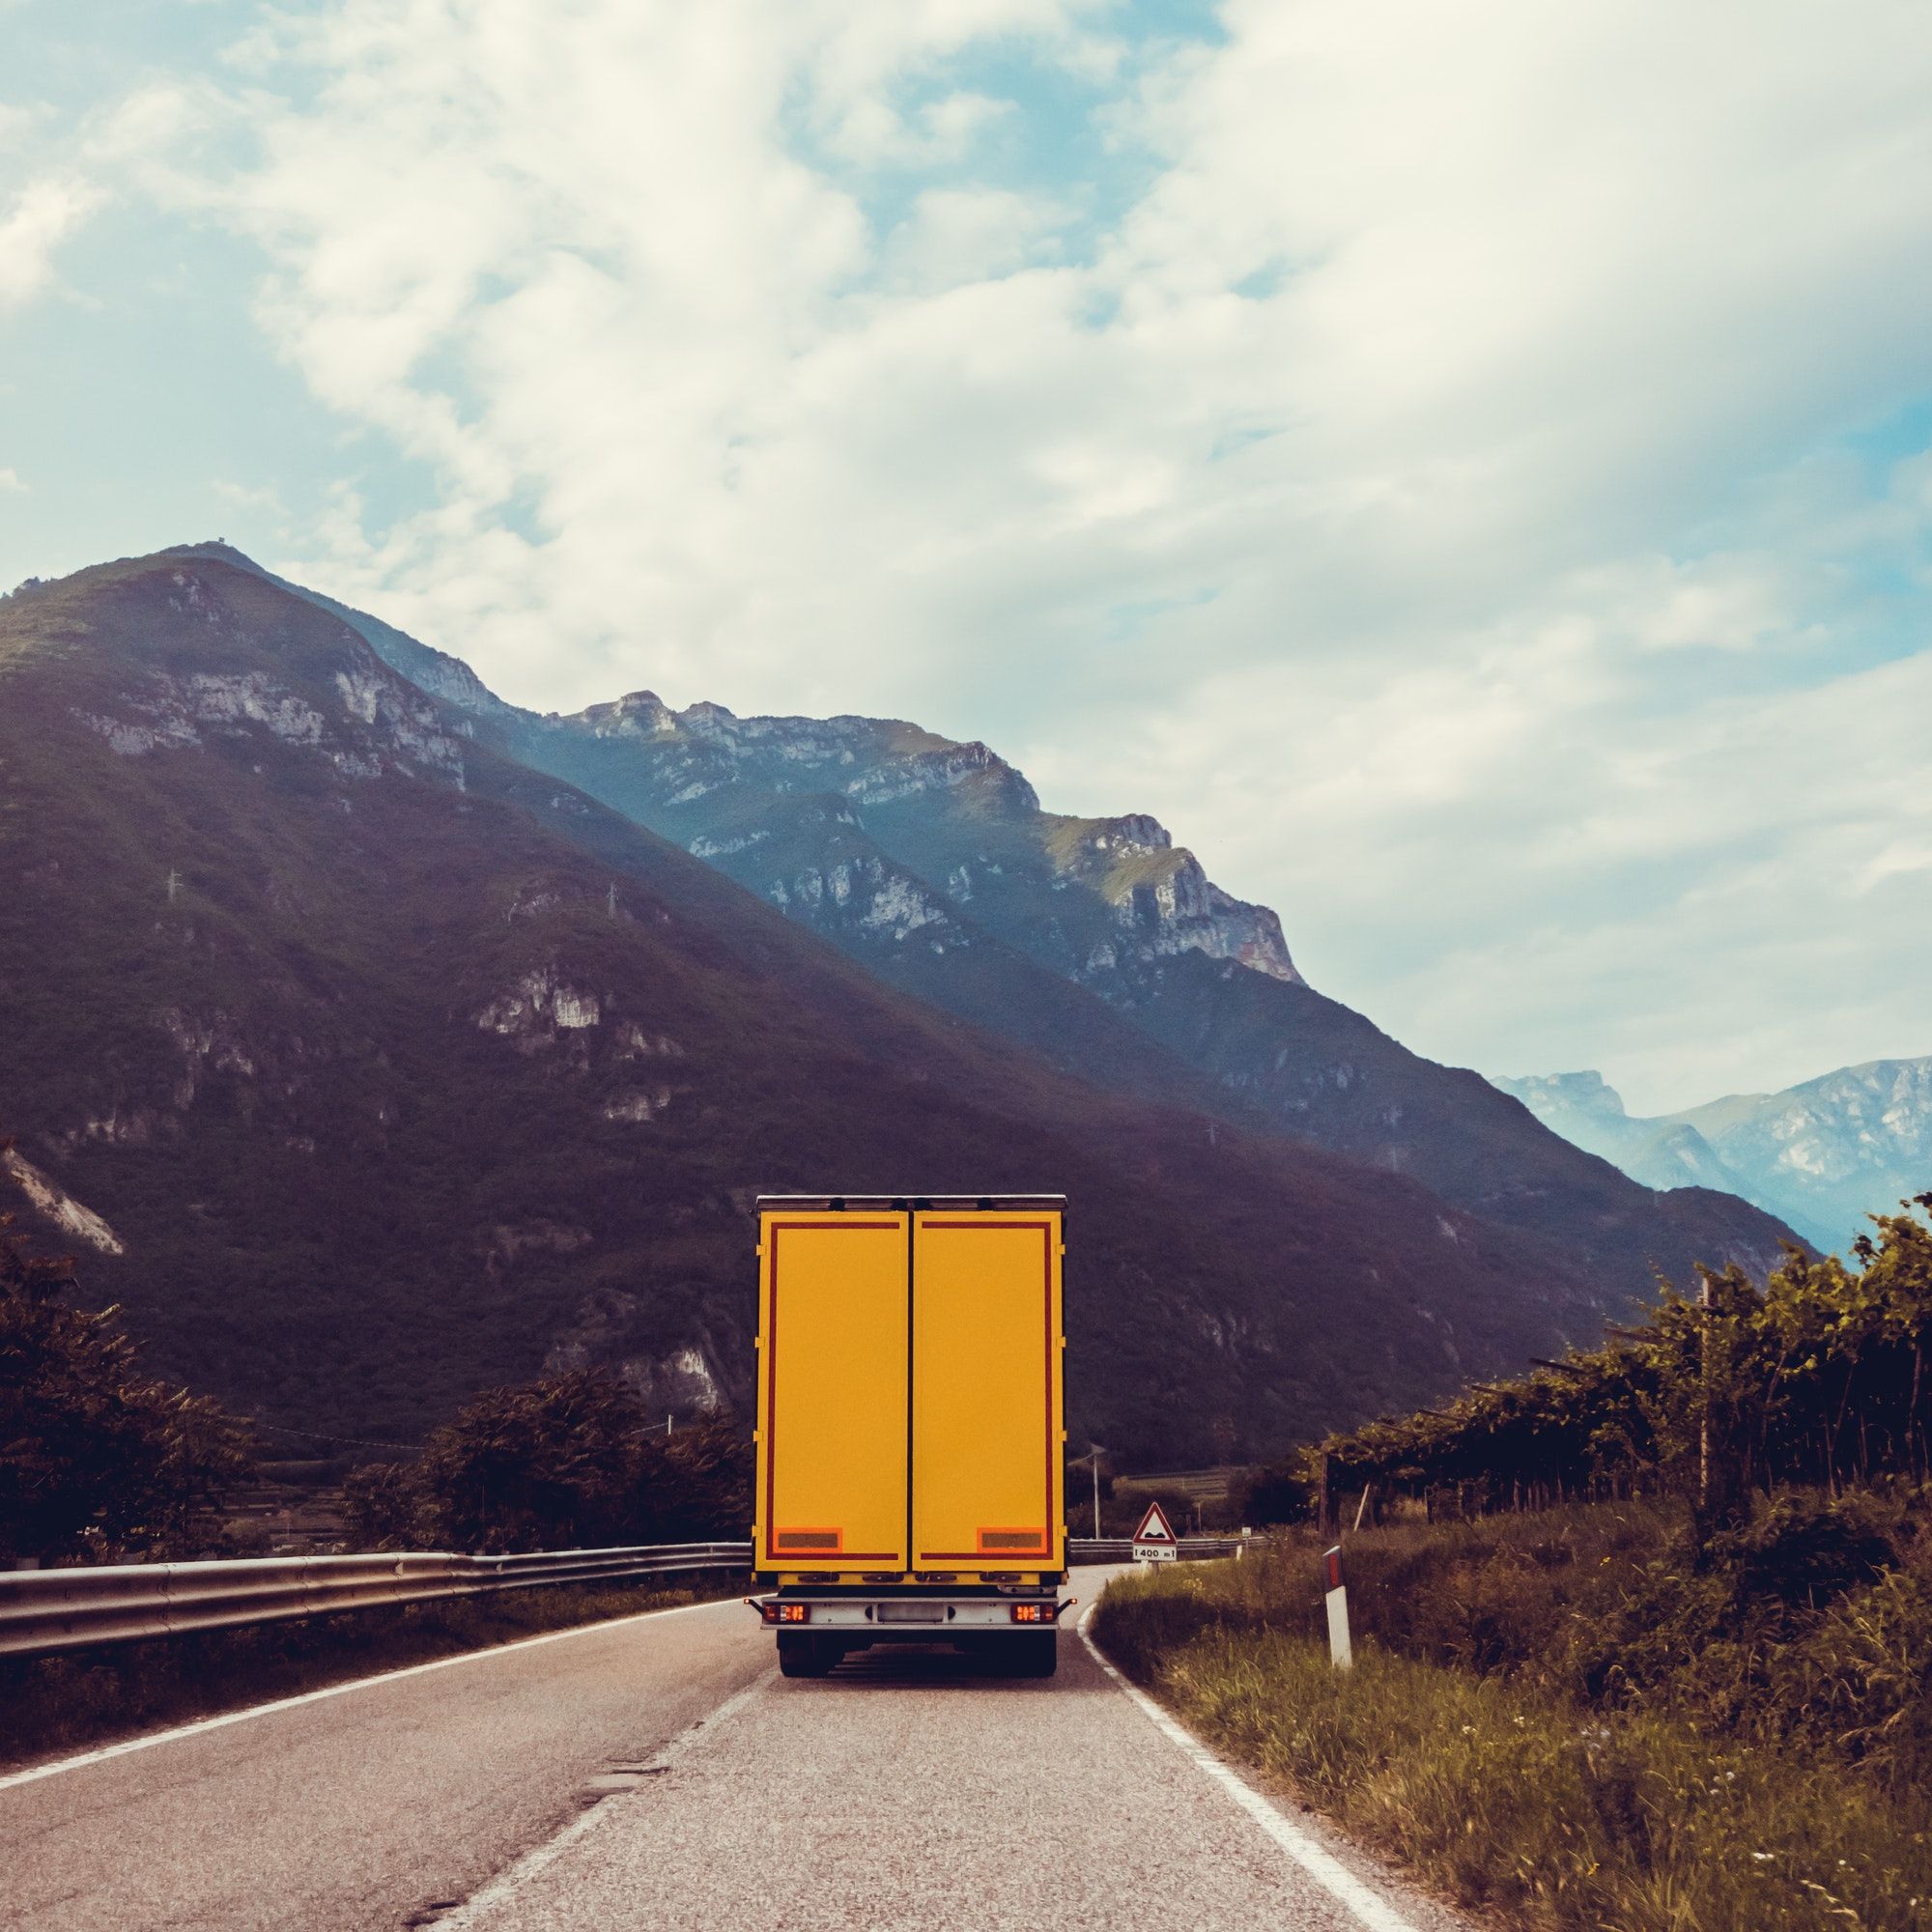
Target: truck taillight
785	1613
1032	1613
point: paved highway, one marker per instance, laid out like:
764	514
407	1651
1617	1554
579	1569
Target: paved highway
658	1774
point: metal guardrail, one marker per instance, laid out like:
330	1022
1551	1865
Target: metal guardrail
43	1610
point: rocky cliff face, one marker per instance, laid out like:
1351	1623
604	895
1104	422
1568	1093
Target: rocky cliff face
365	721
747	790
1591	1112
1162	902
1822	1156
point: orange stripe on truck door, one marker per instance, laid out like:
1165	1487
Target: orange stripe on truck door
833	1391
986	1393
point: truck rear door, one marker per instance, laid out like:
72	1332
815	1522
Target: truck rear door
832	1374
987	1367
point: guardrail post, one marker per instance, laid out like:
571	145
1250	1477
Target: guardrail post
1341	1653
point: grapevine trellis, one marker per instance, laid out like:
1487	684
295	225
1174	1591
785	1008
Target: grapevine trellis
1817	1376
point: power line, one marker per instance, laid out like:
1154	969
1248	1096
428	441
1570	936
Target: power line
358	1441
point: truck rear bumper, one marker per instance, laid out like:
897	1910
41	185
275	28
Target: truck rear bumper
912	1619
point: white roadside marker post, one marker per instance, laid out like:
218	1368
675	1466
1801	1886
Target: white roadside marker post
1341	1654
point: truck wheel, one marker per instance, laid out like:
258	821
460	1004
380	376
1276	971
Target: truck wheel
1038	1654
804	1656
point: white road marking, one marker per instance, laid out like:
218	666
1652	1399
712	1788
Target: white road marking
168	1736
1327	1871
534	1863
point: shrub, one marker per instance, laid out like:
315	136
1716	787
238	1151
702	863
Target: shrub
1585	1719
96	1459
1514	1804
1811	1626
569	1462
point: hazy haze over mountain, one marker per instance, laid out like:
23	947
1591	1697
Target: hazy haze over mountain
1822	1156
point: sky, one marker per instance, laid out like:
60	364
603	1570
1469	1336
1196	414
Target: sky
1464	464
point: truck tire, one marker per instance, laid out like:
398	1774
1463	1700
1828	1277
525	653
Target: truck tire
1038	1654
804	1656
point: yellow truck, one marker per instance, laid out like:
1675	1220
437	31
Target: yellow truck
911	1358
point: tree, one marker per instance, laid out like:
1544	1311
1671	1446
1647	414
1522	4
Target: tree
1898	1266
1819	1377
567	1462
384	1506
1285	1491
96	1459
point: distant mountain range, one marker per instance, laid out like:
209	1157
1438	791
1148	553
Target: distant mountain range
1822	1156
375	1038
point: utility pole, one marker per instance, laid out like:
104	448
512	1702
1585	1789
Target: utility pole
611	899
1093	1454
174	885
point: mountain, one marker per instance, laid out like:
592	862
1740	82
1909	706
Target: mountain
1095	943
1822	1156
1662	1153
365	1063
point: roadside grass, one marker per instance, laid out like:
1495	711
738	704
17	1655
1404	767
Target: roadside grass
51	1705
1566	1723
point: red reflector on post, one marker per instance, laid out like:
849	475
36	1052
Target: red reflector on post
1334	1560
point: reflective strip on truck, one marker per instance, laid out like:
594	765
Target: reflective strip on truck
910	1391
985	1389
832	1437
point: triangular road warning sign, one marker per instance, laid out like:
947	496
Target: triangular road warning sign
1154	1526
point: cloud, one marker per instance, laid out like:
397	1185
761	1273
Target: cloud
259	496
1418	445
1542	857
20	120
872	131
42	216
956	237
145	125
9	481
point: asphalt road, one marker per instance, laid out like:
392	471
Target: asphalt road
658	1774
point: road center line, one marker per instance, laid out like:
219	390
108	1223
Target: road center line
540	1858
215	1723
1326	1870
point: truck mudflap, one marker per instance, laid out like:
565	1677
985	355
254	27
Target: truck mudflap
934	1618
